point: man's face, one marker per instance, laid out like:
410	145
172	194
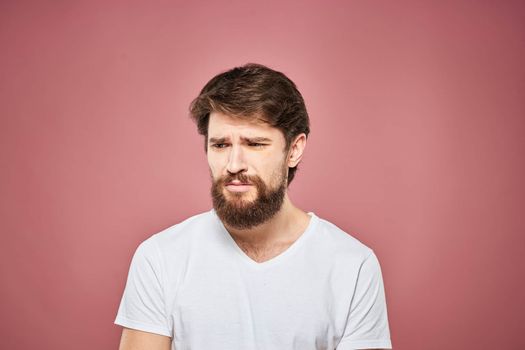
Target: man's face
247	161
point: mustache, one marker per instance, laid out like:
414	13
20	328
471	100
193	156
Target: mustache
241	177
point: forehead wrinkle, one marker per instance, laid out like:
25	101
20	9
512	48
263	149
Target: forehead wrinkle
254	120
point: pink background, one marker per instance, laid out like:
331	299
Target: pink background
417	148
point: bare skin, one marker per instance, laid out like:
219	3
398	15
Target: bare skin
132	339
233	154
273	237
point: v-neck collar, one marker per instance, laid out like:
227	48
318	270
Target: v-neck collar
282	256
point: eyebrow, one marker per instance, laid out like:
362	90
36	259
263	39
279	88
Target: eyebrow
247	139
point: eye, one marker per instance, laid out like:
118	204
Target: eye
219	145
257	145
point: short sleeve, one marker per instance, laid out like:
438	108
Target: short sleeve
142	306
367	324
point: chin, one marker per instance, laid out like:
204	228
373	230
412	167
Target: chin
240	197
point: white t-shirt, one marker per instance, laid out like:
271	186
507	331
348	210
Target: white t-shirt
193	283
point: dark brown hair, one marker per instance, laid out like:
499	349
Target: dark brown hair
257	92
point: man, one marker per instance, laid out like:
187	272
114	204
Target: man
255	272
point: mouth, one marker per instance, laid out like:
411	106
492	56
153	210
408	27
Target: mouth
238	186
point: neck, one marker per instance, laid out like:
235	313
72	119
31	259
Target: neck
284	227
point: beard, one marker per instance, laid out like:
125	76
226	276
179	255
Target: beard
242	214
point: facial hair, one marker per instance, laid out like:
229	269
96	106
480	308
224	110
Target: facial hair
243	214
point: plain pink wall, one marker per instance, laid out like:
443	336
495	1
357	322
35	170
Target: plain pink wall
417	148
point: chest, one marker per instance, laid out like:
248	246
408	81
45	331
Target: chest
249	309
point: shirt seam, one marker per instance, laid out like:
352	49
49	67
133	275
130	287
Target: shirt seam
130	323
159	257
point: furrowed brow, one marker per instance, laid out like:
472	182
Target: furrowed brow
246	139
256	139
217	140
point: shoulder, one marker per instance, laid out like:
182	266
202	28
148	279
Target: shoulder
182	235
340	243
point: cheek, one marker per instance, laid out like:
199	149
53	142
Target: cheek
214	164
214	173
278	173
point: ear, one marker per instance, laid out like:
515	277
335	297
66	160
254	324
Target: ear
296	150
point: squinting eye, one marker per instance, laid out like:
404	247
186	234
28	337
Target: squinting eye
219	145
254	144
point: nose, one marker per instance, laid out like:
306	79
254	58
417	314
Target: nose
236	161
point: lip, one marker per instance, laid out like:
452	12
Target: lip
238	187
